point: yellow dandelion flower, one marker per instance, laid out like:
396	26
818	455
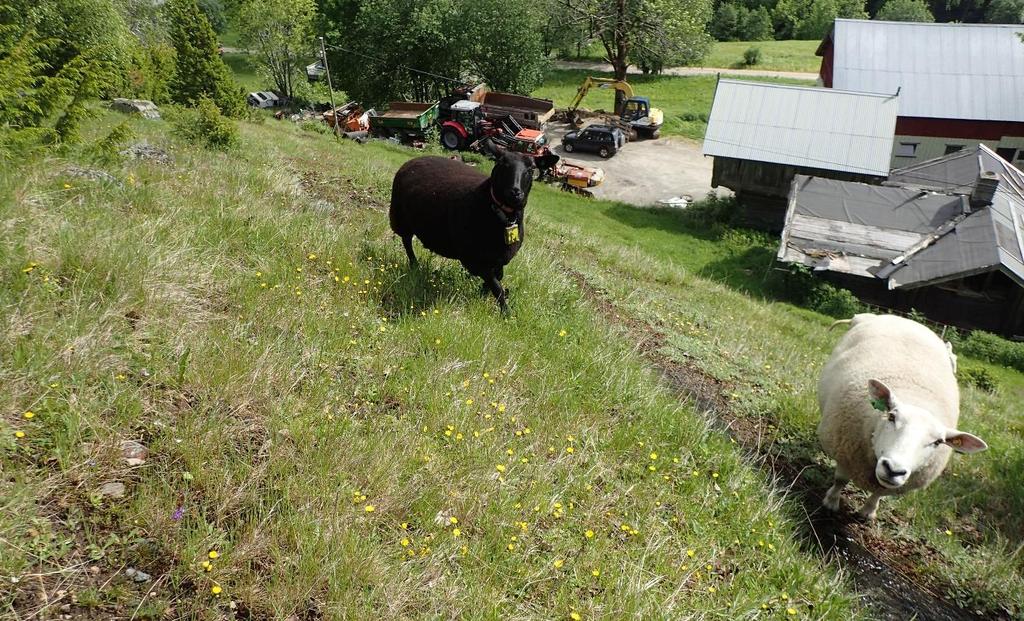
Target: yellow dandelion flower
690	553
456	532
558	563
589	534
570	450
654	456
453	520
215	589
595	573
500	468
29	414
469	402
437	341
405	542
949	532
214	554
501	408
785	596
562	333
511	547
369	508
575	616
714	475
711	589
791	611
19	434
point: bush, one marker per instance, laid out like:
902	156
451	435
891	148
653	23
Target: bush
803	288
756	25
752	56
905	11
204	125
992	348
979	377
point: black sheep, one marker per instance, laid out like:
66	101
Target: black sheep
460	213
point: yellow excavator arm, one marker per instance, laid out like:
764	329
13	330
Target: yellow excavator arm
619	85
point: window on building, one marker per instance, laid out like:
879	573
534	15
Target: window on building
1007	153
953	148
906	149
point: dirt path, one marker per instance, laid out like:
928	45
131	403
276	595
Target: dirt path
646	171
684	71
881	568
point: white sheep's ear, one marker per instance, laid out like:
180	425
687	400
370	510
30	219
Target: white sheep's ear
963	442
881	396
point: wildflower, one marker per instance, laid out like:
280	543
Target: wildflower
456	532
690	553
570	450
949	532
437	341
791	611
501	408
369	508
405	542
654	456
558	563
595	573
19	434
214	554
216	589
178	514
29	414
562	333
311	257
511	547
500	468
711	589
575	616
589	534
207	565
453	520
469	402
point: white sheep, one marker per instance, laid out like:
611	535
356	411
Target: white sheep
889	408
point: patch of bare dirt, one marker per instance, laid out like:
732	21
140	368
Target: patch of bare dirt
884	569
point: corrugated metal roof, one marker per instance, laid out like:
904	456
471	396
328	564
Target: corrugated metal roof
944	71
914	231
800	126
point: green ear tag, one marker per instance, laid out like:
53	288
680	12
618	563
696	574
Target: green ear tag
879	404
511	234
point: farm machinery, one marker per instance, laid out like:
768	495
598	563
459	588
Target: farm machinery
633	113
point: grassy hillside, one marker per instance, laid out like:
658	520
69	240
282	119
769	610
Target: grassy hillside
327	434
686	101
776	55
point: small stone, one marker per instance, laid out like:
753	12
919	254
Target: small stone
137	575
134	453
65	608
114	489
94	569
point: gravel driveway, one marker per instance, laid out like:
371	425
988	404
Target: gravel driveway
645	171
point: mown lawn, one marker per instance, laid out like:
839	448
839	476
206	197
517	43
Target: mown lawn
327	434
686	101
776	55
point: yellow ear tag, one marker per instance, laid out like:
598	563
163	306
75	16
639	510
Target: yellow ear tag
511	234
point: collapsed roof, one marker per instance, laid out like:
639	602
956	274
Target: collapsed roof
947	218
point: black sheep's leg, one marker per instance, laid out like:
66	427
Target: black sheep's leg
407	242
496	289
500	272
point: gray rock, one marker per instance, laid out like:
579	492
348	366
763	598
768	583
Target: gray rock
145	151
142	107
114	489
137	575
133	453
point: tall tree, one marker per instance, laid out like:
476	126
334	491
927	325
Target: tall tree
280	33
905	11
661	31
199	71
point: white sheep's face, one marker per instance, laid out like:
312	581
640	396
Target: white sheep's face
906	437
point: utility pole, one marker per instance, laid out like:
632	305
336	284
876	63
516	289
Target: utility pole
330	87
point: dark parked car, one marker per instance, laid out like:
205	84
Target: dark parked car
604	140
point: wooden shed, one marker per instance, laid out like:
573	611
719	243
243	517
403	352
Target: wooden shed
762	135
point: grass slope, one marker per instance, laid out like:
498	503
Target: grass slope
350	439
354	440
686	101
776	55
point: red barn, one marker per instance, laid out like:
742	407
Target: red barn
958	84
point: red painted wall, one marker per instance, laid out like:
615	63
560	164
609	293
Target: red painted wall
958	128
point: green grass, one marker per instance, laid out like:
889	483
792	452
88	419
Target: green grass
775	55
686	101
245	73
250	319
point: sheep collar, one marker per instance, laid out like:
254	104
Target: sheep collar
505	214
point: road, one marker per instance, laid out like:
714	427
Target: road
646	171
684	71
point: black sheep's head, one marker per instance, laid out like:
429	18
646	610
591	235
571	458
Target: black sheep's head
512	178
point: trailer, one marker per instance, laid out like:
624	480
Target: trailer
407	121
530	112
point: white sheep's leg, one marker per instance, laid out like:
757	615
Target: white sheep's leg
869	510
831	500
